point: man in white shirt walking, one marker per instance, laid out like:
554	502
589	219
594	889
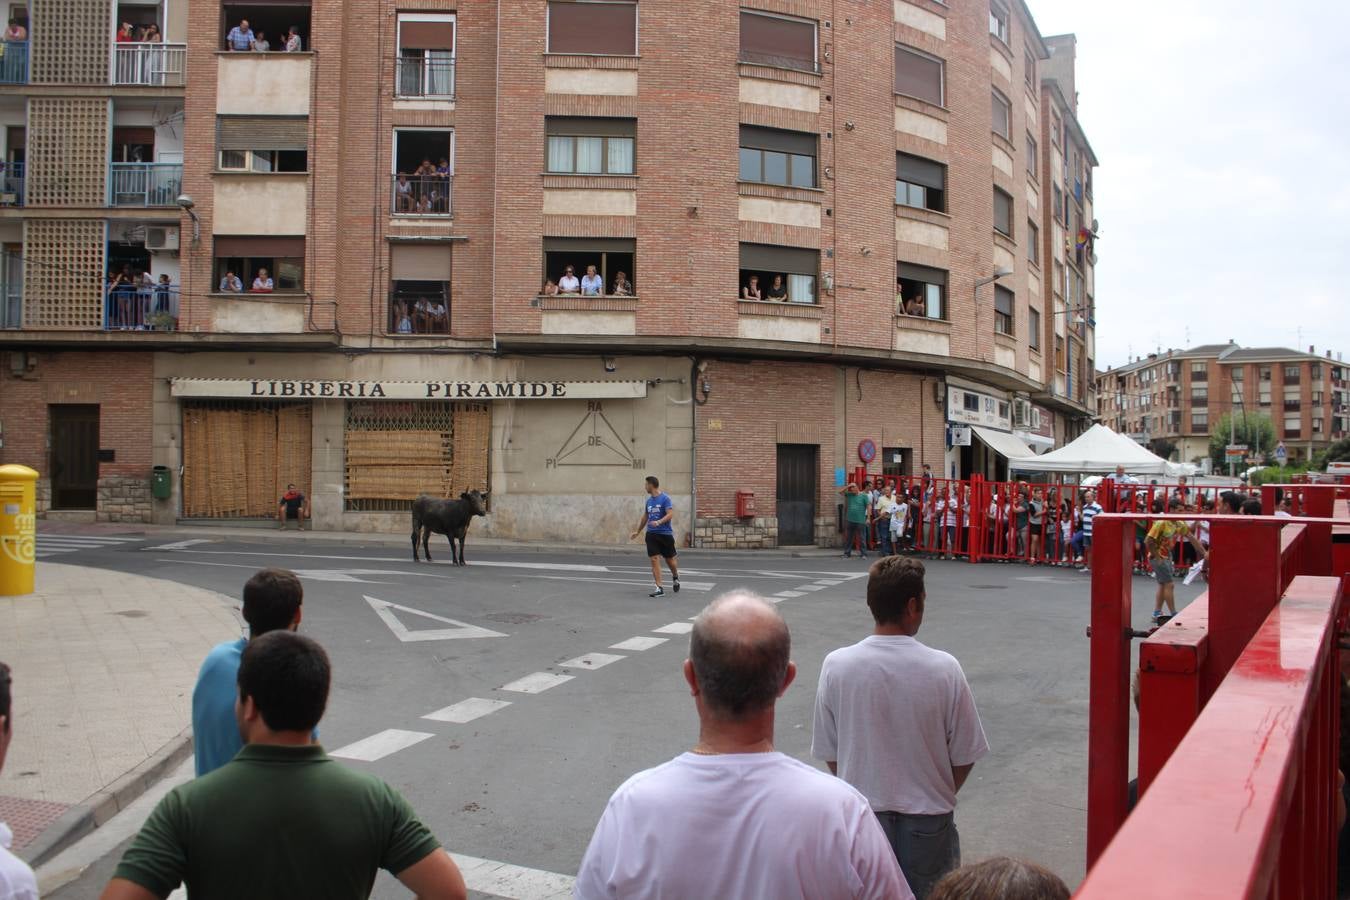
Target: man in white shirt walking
16	879
896	720
732	817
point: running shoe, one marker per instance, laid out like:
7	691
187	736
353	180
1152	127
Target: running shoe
659	592
677	585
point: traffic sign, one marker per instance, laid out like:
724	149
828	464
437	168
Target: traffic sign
1241	448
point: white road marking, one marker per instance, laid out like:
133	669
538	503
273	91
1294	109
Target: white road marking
787	595
501	879
675	628
56	544
179	545
383	609
381	744
560	567
809	587
537	682
638	643
467	710
823	583
691	585
591	661
87	538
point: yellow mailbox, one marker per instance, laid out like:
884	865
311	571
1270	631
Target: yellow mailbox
18	529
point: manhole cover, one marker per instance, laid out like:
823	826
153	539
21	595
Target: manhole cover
508	618
131	613
989	587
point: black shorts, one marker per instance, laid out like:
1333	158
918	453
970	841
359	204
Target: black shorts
660	545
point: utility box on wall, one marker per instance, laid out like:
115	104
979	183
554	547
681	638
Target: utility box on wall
745	504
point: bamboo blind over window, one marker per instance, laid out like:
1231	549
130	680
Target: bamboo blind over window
396	451
238	457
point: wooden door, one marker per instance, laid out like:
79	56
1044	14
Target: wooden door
74	456
797	487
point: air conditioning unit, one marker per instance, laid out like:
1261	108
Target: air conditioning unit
1022	414
1035	419
158	238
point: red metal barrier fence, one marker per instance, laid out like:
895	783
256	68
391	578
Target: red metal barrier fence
1239	716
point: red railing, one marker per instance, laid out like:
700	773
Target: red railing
1239	716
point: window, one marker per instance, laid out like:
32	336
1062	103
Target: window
593	27
1292	404
1054	128
1029	68
280	258
1291	374
1003	310
1002	112
271	21
609	256
1238	374
423	172
1199	371
1059	353
1003	212
1033	242
1034	328
998	21
426	55
1200	395
1265	373
970	402
774	40
918	75
1058	280
1317	426
1200	422
262	143
419	288
797	266
590	146
1315	371
1293	426
1316	397
920	182
926	285
1031	155
1057	201
771	156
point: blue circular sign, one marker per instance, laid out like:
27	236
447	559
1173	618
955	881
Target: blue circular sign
867	450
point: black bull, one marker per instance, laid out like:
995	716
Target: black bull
448	517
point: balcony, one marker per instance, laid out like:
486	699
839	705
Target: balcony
419	307
129	308
428	77
13	62
420	195
144	184
153	64
11	184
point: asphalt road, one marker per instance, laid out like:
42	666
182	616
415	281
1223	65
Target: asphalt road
523	775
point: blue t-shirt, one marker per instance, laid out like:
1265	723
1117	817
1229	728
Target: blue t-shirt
215	732
657	507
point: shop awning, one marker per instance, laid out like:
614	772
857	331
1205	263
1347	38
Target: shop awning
1038	442
1002	443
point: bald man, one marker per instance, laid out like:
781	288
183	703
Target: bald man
731	817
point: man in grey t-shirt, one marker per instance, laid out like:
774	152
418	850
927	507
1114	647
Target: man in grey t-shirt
896	720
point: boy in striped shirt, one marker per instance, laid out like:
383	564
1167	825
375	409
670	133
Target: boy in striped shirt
1090	509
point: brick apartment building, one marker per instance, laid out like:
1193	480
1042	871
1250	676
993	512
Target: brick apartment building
414	176
1178	397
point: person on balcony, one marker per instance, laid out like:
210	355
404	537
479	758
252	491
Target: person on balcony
402	321
568	284
260	43
262	284
550	287
163	295
751	291
240	36
126	34
591	283
915	306
403	194
437	318
16	31
231	284
777	290
622	286
293	43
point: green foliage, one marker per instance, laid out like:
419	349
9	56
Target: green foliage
1276	475
1253	430
1163	447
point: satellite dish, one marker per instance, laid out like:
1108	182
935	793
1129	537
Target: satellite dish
1095	226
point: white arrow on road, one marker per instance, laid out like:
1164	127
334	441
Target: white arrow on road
384	609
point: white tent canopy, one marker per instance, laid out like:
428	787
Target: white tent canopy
1100	450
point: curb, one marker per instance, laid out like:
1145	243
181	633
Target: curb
83	818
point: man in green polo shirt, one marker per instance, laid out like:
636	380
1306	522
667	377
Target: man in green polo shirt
856	509
282	819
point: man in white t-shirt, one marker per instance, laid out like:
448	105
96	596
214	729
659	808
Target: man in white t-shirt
16	879
732	817
896	720
899	521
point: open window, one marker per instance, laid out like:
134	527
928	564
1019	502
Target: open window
774	156
1004	303
423	172
271	21
921	291
419	288
593	27
795	268
590	145
920	183
1034	328
262	143
426	55
919	75
575	257
255	259
770	39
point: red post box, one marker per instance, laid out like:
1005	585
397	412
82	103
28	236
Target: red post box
745	504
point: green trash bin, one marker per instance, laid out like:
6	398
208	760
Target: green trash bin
161	483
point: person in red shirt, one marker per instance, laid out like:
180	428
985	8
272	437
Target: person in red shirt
125	34
292	505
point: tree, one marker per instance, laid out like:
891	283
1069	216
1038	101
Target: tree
1256	431
1337	452
1163	447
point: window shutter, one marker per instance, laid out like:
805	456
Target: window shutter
590	126
918	75
788	260
800	142
419	262
917	170
426	35
262	132
776	41
279	247
1003	300
921	273
590	27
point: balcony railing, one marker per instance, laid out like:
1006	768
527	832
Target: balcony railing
131	308
150	63
412	313
11	305
11	184
13	62
432	78
420	195
145	184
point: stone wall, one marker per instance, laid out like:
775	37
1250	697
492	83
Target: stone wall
123	498
44	495
827	532
730	533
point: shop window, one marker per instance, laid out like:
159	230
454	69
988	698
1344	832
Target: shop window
575	256
262	143
920	183
769	39
796	267
922	291
774	156
919	75
253	260
1004	302
426	55
593	27
395	451
590	146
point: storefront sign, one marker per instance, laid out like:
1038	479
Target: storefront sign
972	408
318	389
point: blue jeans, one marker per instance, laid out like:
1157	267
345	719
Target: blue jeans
927	847
856	533
884	537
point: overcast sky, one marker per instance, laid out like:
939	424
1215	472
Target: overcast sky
1222	192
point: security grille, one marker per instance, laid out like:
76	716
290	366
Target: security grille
239	455
67	149
71	41
398	450
63	263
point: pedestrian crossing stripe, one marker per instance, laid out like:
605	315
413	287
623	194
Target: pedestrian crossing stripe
56	544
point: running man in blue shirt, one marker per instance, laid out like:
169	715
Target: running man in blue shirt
658	515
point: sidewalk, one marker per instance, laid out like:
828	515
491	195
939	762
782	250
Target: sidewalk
103	666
